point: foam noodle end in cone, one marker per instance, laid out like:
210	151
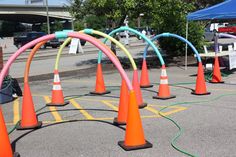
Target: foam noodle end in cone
216	77
137	90
144	79
164	90
123	105
134	135
29	119
100	88
5	145
200	88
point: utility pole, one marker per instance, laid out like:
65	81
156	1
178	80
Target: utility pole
48	22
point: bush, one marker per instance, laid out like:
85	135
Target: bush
172	18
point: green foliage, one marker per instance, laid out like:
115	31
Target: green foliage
57	26
8	28
172	18
44	28
161	15
95	22
78	25
203	3
115	11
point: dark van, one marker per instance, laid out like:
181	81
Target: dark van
24	37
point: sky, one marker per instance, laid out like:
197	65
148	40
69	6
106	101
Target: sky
50	2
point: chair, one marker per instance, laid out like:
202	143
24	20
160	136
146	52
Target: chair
230	48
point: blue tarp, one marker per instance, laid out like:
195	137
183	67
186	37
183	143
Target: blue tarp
222	11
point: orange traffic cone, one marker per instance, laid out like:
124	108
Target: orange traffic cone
137	90
144	79
100	88
29	119
134	135
164	90
5	149
200	88
216	77
123	105
57	94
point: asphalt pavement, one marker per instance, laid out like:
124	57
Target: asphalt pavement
84	127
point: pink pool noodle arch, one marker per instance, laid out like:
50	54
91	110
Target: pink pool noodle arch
88	38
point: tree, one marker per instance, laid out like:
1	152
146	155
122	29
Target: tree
172	18
57	26
199	4
115	11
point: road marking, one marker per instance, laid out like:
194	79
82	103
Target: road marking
152	110
176	109
85	113
107	103
53	110
16	112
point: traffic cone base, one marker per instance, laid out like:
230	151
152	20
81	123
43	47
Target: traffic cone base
147	86
194	93
58	105
16	154
117	123
164	98
100	93
143	105
129	148
37	126
216	82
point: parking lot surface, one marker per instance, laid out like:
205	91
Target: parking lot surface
84	128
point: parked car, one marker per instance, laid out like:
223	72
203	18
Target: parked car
23	38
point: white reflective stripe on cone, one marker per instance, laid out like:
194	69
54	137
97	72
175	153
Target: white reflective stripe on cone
163	72
164	81
56	78
56	87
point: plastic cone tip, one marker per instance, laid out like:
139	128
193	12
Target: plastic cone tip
163	73
144	79
56	78
123	105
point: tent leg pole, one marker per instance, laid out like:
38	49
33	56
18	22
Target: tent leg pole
186	47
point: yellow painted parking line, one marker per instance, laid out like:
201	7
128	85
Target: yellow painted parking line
176	109
152	116
152	110
85	113
16	112
107	103
53	110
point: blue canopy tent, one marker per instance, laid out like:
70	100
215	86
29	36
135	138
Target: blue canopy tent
220	12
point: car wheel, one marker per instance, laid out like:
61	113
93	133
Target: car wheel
54	47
